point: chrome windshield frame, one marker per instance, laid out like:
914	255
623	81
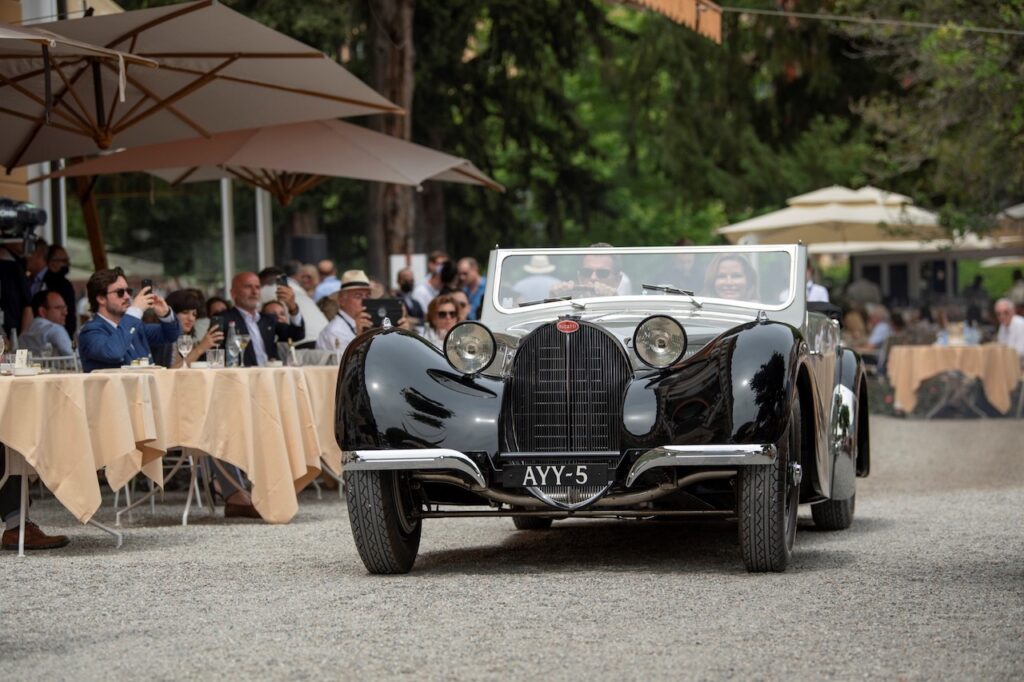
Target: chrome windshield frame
500	255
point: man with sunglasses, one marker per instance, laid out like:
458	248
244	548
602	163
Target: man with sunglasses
598	274
116	334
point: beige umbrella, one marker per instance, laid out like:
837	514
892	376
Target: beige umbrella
219	71
289	159
838	214
31	59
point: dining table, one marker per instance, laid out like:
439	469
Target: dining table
266	421
996	365
66	427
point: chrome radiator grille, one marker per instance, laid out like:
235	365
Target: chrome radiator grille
565	392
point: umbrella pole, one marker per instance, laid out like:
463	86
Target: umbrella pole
83	189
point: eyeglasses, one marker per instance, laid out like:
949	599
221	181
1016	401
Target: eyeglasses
602	273
121	292
446	313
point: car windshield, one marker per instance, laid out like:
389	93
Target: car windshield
731	275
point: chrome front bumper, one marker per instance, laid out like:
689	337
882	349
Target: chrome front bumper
665	456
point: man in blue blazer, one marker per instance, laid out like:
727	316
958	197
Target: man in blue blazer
116	334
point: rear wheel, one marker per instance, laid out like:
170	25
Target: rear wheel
768	497
380	509
531	522
834	514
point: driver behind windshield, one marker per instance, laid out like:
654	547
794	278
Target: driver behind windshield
596	275
732	277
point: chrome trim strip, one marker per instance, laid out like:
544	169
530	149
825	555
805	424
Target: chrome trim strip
700	455
416	460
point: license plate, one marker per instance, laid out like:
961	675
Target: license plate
536	475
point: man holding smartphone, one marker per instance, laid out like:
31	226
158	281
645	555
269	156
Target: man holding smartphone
116	334
352	318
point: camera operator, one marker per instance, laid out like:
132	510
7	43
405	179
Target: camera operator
15	297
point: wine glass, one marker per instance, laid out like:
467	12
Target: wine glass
242	341
185	344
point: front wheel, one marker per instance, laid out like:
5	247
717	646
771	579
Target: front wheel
767	500
380	509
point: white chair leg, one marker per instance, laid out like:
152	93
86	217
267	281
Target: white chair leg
118	536
24	515
152	498
319	492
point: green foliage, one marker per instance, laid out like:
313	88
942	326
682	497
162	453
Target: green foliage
953	136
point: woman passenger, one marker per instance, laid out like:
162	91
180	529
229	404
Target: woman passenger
732	277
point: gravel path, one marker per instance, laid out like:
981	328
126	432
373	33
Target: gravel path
927	584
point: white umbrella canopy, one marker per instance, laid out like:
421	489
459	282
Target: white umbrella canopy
839	214
286	160
33	61
219	71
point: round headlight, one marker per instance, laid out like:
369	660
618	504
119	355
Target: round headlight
470	347
659	341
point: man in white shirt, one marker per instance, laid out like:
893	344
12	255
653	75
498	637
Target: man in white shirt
427	290
815	292
352	318
1011	326
47	329
312	317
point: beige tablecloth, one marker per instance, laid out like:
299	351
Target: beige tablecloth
996	365
67	426
323	383
258	419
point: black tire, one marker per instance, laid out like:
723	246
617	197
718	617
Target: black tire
834	514
532	522
767	503
379	508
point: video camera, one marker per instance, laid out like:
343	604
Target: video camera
18	222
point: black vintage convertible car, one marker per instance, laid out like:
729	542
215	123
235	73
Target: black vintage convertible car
601	382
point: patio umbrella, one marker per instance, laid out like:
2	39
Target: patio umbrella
838	214
287	160
219	71
31	59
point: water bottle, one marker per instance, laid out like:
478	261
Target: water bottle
231	346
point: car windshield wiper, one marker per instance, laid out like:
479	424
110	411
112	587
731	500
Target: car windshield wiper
673	290
554	300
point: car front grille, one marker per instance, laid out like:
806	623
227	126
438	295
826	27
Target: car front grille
565	392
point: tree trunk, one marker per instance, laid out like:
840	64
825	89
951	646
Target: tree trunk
392	214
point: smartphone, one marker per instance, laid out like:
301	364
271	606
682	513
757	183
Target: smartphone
148	283
282	280
217	321
379	308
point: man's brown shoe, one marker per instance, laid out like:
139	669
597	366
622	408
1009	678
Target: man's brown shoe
232	509
34	538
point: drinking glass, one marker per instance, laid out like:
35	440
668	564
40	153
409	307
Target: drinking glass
242	341
215	358
185	344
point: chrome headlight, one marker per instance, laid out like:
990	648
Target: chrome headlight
659	341
470	347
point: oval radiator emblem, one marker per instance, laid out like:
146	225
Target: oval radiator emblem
567	326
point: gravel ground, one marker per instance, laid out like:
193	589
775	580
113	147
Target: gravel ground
927	584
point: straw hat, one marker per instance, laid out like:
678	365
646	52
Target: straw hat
354	279
539	265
